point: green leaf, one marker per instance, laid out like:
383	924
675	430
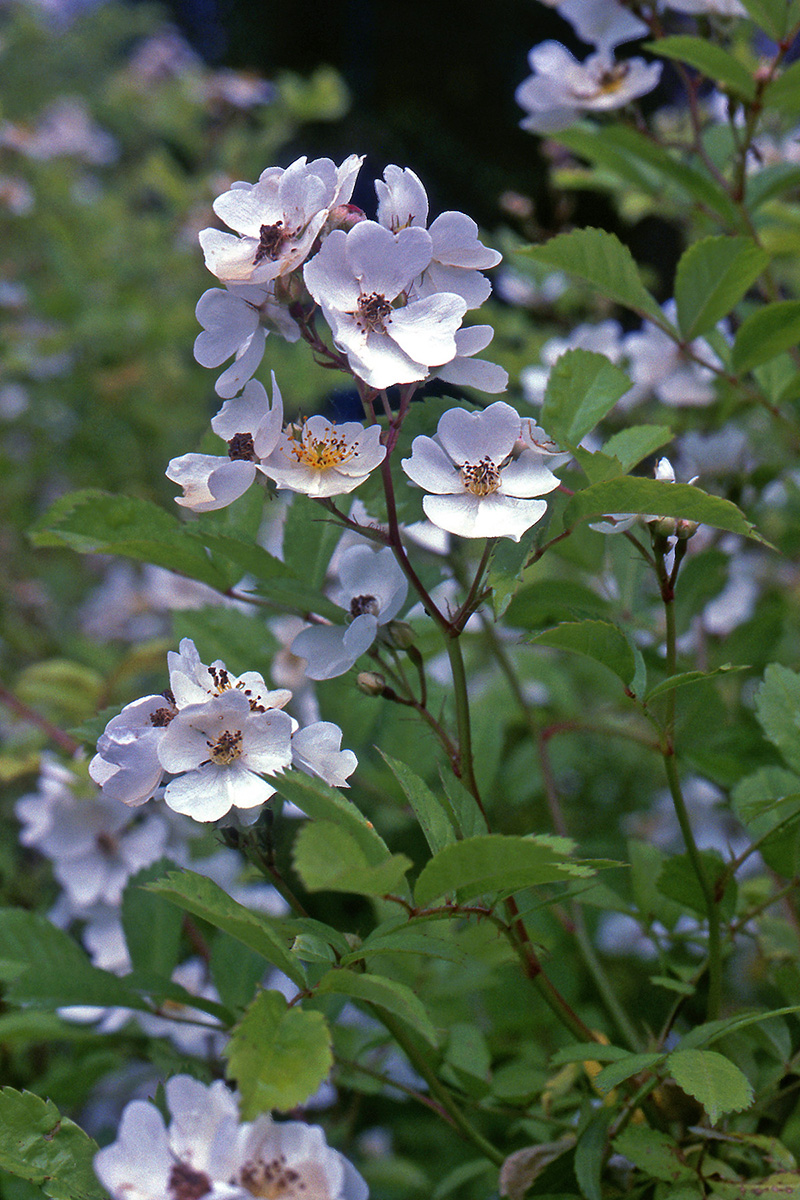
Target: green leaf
646	496
776	17
387	995
783	1185
712	277
590	1153
549	601
768	791
329	859
497	863
38	1144
778	711
685	678
205	899
277	1056
600	259
765	334
648	166
324	803
616	1072
310	536
435	815
714	62
583	387
587	1052
654	1153
95	522
152	926
507	569
713	1080
712	1031
48	967
598	640
679	882
629	446
784	91
469	818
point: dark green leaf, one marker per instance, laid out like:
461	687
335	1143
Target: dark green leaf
685	678
325	803
713	1080
616	1072
497	863
654	1153
778	711
152	925
590	1153
646	496
714	62
679	882
776	17
386	995
765	334
435	814
328	858
583	387
598	640
784	91
635	443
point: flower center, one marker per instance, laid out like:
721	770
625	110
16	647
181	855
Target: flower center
319	453
373	311
226	748
106	844
611	80
271	242
276	1181
187	1184
364	604
481	479
241	446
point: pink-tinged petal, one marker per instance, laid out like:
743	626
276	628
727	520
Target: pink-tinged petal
387	263
425	329
528	476
431	468
328	276
402	199
483	517
123	1169
456	243
471	437
228	256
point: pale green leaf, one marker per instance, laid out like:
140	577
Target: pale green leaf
497	863
322	802
616	1072
714	1081
277	1056
712	277
386	995
655	1153
205	899
629	446
778	711
600	259
152	926
685	678
328	858
38	1144
582	388
598	640
765	334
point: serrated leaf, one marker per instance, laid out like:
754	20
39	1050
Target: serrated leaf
387	995
329	859
714	1081
600	259
205	899
38	1144
629	446
782	1185
598	640
778	711
277	1056
768	790
435	815
322	802
765	334
711	59
95	522
712	277
152	926
582	388
497	863
646	496
404	941
654	1153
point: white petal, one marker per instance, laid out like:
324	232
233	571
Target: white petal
488	516
470	437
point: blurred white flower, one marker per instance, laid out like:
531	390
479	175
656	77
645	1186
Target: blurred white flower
561	88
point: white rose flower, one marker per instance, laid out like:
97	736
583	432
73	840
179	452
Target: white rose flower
234	323
317	750
321	458
127	766
278	218
362	281
479	489
602	23
561	88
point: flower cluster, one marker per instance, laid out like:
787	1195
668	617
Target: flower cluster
218	735
207	1151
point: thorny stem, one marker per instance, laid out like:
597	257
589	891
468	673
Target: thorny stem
421	1063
